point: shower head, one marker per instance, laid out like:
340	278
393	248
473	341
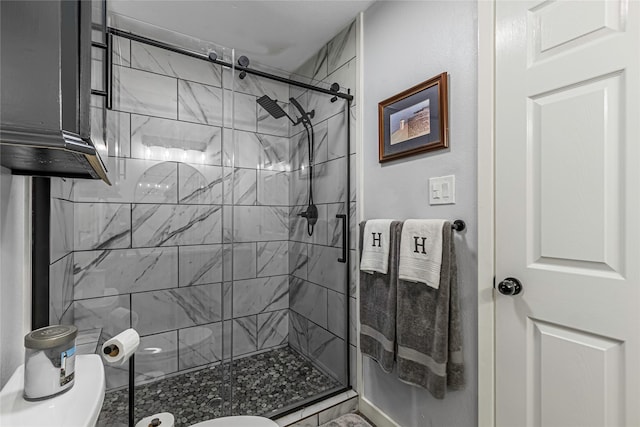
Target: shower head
273	108
307	116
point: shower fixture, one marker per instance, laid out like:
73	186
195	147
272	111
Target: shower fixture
272	107
213	55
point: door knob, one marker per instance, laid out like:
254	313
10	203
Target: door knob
510	286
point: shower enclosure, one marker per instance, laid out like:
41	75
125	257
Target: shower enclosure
224	240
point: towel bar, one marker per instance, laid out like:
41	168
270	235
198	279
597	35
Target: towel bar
458	225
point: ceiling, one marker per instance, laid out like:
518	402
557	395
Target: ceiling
280	34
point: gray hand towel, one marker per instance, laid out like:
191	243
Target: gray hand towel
429	332
378	294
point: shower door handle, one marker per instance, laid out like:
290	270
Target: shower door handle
343	217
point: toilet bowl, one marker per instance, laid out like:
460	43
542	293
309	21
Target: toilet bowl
167	419
239	421
78	406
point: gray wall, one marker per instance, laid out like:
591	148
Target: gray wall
406	43
15	283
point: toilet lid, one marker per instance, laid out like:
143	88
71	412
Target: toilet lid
241	421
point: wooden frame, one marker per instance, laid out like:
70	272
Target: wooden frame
414	121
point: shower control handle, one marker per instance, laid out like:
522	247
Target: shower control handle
311	214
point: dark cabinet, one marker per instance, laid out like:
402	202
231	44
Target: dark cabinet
45	72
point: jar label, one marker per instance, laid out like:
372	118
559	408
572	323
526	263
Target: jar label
67	365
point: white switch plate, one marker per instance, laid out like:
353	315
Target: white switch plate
442	190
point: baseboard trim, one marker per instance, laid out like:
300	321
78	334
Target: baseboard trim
375	414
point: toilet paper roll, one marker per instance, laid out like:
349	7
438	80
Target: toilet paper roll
121	347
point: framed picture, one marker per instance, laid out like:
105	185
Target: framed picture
414	121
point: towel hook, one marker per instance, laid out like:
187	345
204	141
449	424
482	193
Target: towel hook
458	225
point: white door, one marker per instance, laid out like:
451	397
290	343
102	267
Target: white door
567	213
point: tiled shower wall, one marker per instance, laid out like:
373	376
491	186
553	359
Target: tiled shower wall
154	250
318	286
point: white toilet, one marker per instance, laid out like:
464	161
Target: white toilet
78	406
168	420
81	404
238	421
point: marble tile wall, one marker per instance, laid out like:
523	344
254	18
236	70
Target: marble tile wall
198	243
319	290
190	245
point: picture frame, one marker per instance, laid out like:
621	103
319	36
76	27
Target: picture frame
414	121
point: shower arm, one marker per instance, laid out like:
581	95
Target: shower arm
294	122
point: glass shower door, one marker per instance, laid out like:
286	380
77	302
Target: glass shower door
150	248
319	285
287	159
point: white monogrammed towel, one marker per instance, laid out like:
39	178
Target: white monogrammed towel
421	251
375	247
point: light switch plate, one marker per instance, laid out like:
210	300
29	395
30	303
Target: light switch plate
442	190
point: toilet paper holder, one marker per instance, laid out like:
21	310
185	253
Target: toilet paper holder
109	350
112	351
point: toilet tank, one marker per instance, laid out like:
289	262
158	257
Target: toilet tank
78	406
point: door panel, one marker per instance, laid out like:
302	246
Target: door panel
585	143
549	33
567	206
566	394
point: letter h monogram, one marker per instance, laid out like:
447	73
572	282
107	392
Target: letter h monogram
415	241
377	239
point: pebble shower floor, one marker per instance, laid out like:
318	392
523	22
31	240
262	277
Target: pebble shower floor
262	384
